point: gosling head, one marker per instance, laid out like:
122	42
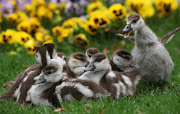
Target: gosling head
51	49
42	56
123	59
98	62
77	60
51	73
63	57
90	52
134	23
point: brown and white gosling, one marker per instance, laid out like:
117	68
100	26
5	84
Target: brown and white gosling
97	68
43	58
43	91
76	64
34	69
154	60
121	84
122	61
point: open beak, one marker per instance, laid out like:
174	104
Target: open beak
128	30
40	80
90	67
134	65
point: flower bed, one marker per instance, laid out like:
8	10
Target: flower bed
32	23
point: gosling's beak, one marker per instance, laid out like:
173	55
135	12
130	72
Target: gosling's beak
133	64
90	67
40	80
127	28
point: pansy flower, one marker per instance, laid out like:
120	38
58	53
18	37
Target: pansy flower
90	27
117	11
95	6
43	38
165	7
23	37
31	46
61	33
8	37
99	18
6	8
81	40
24	26
143	7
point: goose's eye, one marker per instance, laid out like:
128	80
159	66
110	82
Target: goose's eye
89	56
36	56
48	72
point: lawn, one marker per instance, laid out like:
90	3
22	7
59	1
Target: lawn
149	98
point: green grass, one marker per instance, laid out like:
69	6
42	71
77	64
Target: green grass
149	98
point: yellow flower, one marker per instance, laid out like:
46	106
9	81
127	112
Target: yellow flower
95	6
44	12
24	26
35	25
58	30
28	8
61	32
31	46
90	27
13	18
23	37
21	16
8	37
70	23
43	38
165	6
64	34
143	7
34	14
16	18
99	18
37	3
117	11
52	6
81	40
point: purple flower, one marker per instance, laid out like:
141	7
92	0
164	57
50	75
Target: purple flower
6	8
81	2
73	8
58	2
21	3
83	17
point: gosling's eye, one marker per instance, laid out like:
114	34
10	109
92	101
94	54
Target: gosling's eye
89	55
48	72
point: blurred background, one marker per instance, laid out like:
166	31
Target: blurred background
75	25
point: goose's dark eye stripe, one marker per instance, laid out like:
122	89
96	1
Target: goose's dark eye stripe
98	59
